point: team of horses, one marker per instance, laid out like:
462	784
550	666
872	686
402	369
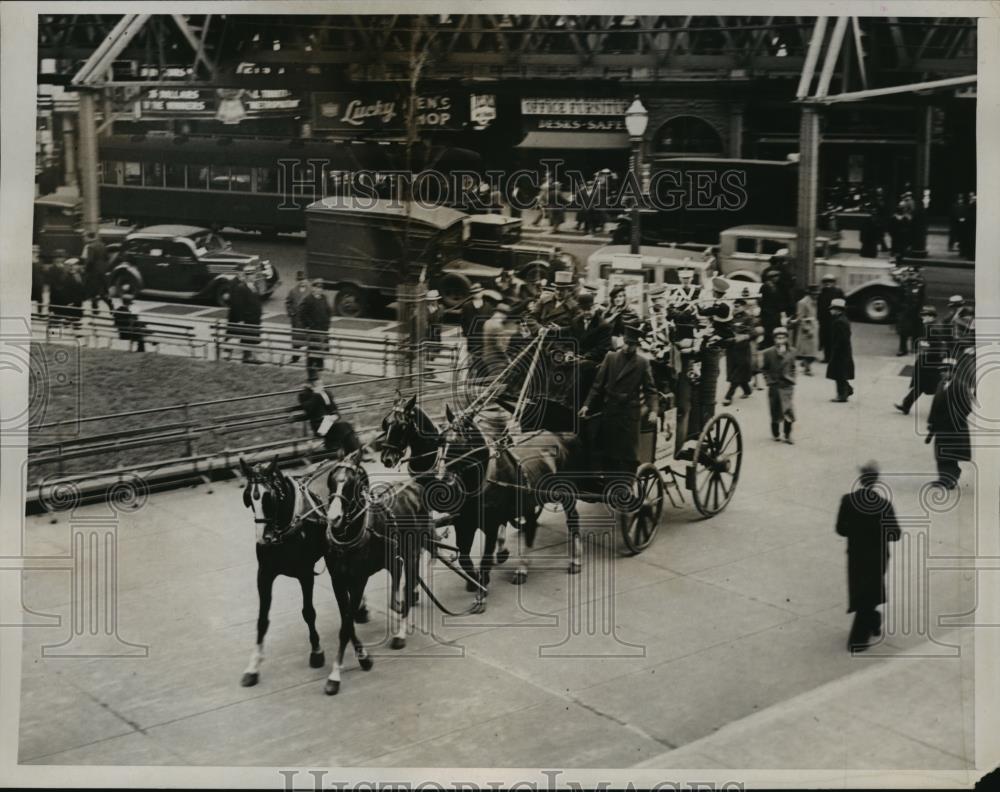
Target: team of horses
461	474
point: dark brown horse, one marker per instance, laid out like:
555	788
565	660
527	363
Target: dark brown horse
368	532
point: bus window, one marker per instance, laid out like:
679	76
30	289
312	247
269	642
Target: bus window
267	180
176	175
132	173
152	174
219	178
239	179
746	244
649	274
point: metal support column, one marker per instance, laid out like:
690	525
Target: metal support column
925	115
808	185
736	132
636	232
69	150
88	161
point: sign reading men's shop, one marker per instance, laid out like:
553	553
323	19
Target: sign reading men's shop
344	111
588	115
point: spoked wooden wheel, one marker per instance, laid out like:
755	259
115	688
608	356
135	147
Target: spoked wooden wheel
639	527
715	471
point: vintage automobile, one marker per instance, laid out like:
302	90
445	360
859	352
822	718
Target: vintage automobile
654	264
871	291
58	228
186	262
363	250
496	240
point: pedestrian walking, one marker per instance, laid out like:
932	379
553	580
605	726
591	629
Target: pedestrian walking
840	367
931	349
773	301
95	266
739	354
293	304
315	316
779	373
948	425
955	220
900	229
130	328
806	326
245	313
829	291
868	522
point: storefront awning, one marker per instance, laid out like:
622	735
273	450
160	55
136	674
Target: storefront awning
574	140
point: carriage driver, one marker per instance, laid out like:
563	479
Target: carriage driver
624	382
323	416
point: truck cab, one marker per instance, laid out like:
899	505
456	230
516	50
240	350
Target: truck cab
496	240
869	287
58	228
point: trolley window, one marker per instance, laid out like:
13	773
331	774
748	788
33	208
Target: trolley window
133	173
152	174
267	180
175	175
198	178
219	178
239	179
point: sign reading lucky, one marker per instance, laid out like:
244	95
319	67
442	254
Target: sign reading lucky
343	111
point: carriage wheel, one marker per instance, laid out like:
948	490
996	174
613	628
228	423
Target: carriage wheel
715	471
639	527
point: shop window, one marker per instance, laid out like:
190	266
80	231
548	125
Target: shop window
239	179
132	173
152	174
746	245
175	175
687	135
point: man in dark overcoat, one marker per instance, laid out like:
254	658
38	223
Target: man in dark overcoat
245	313
593	341
475	313
908	325
624	382
95	257
293	304
321	411
772	303
829	291
840	367
779	373
315	315
868	521
931	350
948	425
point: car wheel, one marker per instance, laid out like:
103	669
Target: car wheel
125	283
877	307
349	302
454	290
222	294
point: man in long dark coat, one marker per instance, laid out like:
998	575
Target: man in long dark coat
840	367
948	425
772	303
321	411
314	313
95	257
868	521
829	291
593	339
475	313
624	382
931	350
293	304
908	325
245	313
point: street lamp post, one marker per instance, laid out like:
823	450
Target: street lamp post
636	119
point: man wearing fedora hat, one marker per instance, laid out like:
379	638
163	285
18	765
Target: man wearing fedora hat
828	292
314	312
931	349
840	366
434	316
948	425
779	373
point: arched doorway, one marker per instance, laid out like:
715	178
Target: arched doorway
687	135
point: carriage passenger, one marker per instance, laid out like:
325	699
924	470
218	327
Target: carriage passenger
619	314
592	335
623	386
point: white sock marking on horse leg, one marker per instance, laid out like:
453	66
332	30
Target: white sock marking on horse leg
256	658
335	672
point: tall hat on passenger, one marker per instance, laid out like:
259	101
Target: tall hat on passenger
564	279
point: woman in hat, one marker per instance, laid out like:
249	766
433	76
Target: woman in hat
806	329
779	373
619	314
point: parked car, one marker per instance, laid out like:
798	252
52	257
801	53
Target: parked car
187	262
871	291
58	228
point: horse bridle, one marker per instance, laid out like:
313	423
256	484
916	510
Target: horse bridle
274	483
402	418
349	518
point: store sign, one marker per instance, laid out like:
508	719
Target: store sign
581	124
574	107
343	111
229	105
482	110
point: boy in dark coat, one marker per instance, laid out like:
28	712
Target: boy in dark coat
324	419
840	367
779	372
868	521
948	426
623	383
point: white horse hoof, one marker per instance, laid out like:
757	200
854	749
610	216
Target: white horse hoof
519	577
332	688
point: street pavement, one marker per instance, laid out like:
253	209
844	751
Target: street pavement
723	645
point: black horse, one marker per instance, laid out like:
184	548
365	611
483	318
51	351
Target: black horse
290	531
368	531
